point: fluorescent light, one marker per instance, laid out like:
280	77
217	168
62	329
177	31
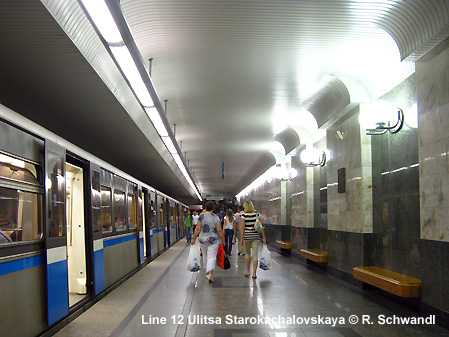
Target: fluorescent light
181	166
100	14
126	63
157	121
169	144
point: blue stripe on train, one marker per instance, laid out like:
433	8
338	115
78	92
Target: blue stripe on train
142	257
122	239
22	264
57	291
99	271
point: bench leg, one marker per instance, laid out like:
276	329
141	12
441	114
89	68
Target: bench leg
286	252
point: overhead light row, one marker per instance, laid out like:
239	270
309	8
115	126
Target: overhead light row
106	23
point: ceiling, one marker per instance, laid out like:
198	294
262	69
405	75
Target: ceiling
234	74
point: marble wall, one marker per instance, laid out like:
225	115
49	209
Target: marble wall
267	201
395	243
432	76
350	211
432	87
299	195
394	212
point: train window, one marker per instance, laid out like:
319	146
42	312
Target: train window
96	202
21	201
106	220
20	218
132	207
119	210
16	169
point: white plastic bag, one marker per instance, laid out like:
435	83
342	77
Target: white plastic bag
193	261
265	258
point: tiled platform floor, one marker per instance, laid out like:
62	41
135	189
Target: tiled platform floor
291	300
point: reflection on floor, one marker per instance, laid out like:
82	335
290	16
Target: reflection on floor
75	298
304	332
291	300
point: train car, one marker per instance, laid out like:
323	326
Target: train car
71	226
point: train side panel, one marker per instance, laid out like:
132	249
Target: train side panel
120	257
22	309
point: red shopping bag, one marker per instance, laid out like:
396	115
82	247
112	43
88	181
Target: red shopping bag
220	256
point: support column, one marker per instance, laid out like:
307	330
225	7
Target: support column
286	211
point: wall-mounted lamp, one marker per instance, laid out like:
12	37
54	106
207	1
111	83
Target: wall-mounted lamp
280	172
379	117
312	157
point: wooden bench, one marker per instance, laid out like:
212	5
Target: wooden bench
284	244
316	255
398	284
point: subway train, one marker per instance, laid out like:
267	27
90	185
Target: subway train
72	227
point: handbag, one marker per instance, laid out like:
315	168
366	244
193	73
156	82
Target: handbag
226	263
258	226
220	256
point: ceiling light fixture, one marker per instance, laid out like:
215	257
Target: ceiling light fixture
128	66
157	121
170	145
100	14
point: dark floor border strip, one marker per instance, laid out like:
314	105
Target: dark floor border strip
182	328
124	323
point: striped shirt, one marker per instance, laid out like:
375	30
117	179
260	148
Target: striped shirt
250	233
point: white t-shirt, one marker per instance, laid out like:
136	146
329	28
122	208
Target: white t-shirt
238	218
195	219
229	224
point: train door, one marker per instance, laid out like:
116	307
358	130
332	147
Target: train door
150	224
167	223
181	222
55	238
176	219
140	226
100	210
162	232
146	224
171	221
76	237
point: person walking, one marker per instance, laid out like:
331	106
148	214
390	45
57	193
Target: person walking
195	217
251	238
229	222
209	232
238	228
188	225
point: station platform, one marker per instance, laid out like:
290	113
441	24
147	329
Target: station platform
290	300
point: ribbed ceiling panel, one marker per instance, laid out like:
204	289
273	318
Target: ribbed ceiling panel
220	62
303	23
332	97
237	72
